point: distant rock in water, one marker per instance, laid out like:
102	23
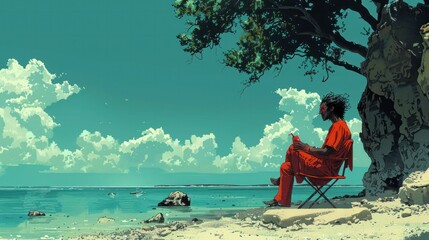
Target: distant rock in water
34	213
176	199
159	218
106	220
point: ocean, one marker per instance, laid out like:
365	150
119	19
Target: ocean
71	211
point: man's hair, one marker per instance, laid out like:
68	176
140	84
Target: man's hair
340	102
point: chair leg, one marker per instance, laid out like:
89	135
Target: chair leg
321	193
325	199
308	199
311	196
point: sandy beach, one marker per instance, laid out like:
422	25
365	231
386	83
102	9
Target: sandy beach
389	219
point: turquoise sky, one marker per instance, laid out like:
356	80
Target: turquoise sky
126	102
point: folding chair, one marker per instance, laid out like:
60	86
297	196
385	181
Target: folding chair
320	185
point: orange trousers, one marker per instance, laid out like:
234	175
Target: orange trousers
306	163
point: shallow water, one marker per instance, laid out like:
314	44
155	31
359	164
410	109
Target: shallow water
74	211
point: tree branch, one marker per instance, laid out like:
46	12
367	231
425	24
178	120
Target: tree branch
306	17
356	5
347	45
344	64
335	37
380	5
341	42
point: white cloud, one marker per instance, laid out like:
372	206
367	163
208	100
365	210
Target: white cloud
158	149
13	133
25	127
147	150
266	155
321	133
32	86
96	142
27	132
295	100
100	152
237	160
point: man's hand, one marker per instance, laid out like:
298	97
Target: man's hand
301	146
298	145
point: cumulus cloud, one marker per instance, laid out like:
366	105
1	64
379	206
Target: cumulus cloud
157	149
25	127
27	134
31	86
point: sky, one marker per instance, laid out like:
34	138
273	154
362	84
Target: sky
102	93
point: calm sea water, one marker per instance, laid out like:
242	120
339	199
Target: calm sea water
74	211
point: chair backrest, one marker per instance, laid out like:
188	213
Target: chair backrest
348	145
348	157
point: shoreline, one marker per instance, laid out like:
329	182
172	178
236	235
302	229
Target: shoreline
159	186
390	219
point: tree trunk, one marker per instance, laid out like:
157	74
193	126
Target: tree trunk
395	106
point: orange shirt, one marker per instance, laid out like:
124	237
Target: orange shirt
338	133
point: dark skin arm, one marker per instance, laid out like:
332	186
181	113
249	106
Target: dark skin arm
326	151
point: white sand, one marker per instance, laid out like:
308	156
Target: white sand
390	220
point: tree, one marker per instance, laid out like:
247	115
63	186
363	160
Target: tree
275	31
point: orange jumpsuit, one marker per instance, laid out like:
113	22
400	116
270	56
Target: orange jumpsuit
310	164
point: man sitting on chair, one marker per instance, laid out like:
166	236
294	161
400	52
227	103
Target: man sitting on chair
310	159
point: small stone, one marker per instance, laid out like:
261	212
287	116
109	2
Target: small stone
177	225
415	208
381	210
164	233
147	228
159	218
406	213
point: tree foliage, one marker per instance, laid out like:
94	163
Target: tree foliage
274	31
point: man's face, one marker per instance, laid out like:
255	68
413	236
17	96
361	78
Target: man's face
323	111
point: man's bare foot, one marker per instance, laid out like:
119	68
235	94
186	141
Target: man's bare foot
271	203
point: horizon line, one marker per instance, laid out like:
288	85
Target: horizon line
172	185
